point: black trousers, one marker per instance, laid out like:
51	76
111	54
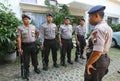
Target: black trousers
80	49
101	66
50	45
29	50
67	46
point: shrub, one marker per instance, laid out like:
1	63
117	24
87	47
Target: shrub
115	27
8	24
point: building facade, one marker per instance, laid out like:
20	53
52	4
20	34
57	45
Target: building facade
37	9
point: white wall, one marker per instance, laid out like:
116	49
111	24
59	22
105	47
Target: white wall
112	9
14	6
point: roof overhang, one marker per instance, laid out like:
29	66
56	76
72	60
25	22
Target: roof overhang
115	1
77	8
33	8
79	5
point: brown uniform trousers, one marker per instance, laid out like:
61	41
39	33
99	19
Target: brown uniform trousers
101	66
29	50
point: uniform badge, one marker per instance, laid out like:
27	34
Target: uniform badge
94	36
18	30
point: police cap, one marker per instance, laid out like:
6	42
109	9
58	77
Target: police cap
67	17
49	14
25	16
98	8
82	19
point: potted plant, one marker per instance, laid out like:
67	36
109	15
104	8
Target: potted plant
8	24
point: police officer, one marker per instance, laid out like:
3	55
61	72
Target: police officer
98	62
80	39
65	41
26	37
48	33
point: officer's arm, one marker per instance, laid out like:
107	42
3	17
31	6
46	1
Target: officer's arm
76	32
59	37
94	57
19	41
42	35
37	34
76	37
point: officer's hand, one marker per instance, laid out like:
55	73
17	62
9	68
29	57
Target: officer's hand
60	44
88	69
20	51
41	47
78	43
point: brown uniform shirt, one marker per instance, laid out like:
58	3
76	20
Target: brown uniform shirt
102	35
28	34
66	31
48	31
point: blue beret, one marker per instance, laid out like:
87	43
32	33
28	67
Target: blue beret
25	16
49	14
98	8
67	17
82	19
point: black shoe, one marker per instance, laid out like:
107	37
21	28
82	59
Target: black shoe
70	62
26	76
37	71
45	68
118	72
65	65
82	57
55	65
76	60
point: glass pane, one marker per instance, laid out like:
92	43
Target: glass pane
37	18
29	1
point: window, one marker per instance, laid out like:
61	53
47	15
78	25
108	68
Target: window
29	1
37	19
112	20
53	2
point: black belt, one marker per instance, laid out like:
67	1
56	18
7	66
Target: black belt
49	39
28	43
104	55
66	39
80	35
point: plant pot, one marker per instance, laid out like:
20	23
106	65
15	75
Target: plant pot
10	57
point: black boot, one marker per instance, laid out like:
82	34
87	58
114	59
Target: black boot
36	70
76	60
70	62
26	76
118	72
55	65
64	64
76	57
45	66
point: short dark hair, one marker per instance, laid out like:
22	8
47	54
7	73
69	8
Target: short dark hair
101	14
25	16
82	19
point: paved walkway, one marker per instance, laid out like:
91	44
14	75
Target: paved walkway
11	72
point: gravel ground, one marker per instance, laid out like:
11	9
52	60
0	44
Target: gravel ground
75	72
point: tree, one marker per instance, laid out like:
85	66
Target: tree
59	12
8	24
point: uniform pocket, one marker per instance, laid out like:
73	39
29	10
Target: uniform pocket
24	34
33	33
